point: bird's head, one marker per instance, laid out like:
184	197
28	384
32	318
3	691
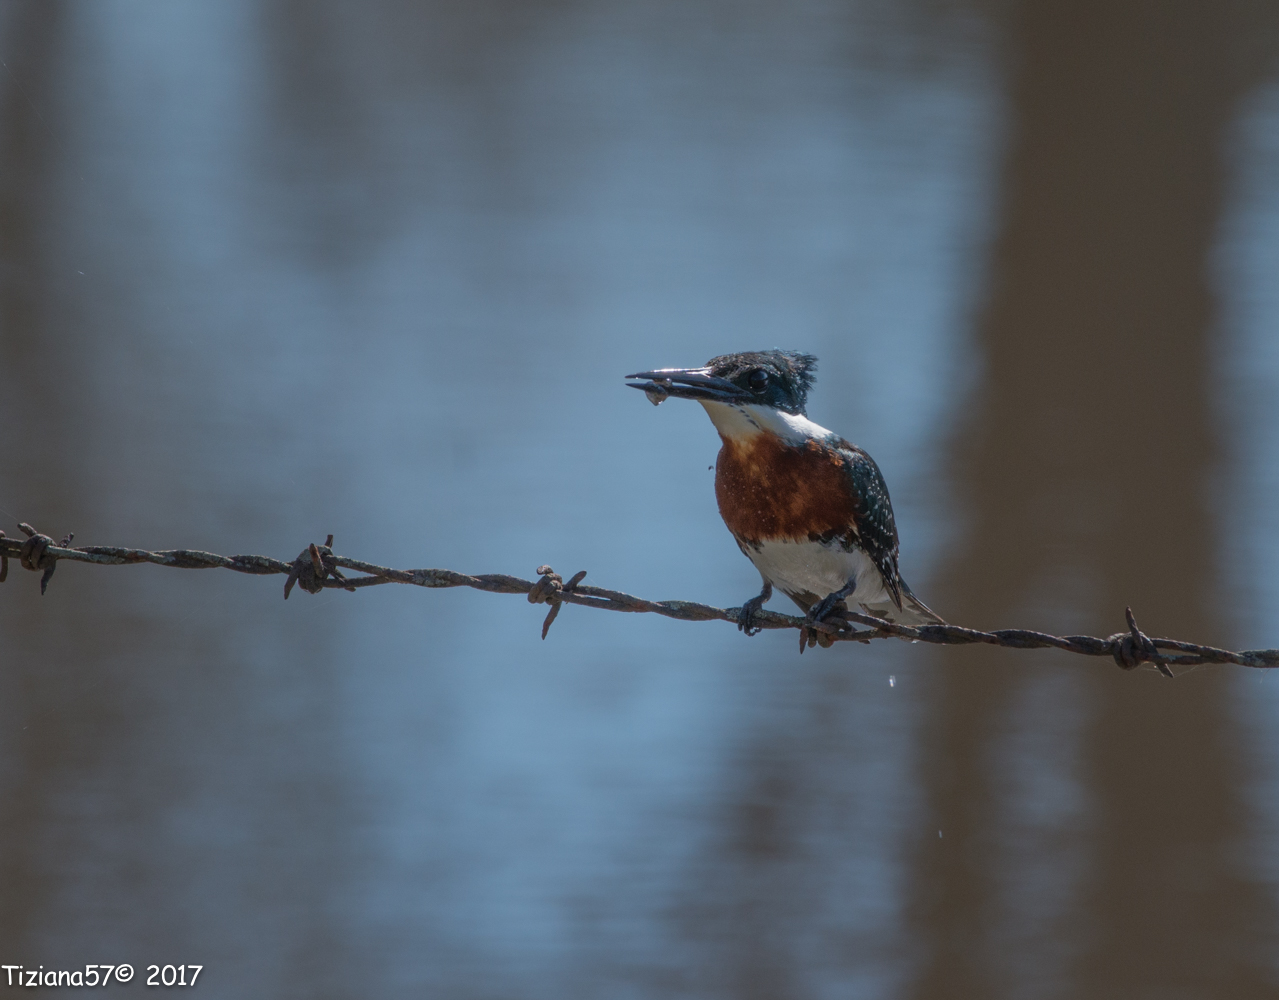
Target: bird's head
779	380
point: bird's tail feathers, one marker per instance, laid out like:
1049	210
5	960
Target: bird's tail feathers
913	611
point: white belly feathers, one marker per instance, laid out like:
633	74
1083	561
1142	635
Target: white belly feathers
817	569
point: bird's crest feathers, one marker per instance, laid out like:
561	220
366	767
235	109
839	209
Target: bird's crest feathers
776	378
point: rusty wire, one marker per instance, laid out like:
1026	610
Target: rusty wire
318	568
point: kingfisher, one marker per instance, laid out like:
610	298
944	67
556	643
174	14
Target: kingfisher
808	508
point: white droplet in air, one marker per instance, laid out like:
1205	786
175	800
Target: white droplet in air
892	680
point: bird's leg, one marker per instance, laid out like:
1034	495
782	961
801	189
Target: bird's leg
819	611
746	617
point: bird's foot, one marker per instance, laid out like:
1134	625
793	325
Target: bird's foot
810	637
746	616
830	605
820	611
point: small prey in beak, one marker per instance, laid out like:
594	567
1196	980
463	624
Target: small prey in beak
687	383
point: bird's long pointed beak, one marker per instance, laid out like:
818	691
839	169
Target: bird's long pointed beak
687	383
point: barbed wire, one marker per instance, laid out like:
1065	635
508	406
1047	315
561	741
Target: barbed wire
319	568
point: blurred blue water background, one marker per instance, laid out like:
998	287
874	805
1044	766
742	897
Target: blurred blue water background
1246	265
378	270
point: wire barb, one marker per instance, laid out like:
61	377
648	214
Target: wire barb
550	589
314	565
35	555
318	568
1134	647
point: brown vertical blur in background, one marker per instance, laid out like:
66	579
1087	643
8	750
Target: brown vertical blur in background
29	154
1090	459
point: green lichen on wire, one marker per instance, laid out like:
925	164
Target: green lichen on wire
319	568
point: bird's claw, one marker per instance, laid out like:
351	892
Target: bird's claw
746	616
819	612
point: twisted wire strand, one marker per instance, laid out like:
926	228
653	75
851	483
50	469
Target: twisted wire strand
318	568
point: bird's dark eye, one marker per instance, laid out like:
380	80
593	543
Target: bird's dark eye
758	379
